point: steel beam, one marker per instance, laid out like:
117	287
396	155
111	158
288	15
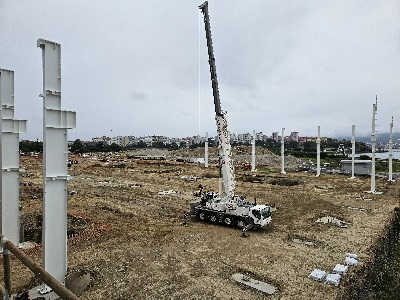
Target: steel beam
206	152
55	156
373	145
353	149
9	158
253	152
283	152
391	152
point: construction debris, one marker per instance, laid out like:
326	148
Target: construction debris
333	221
333	279
189	178
169	192
340	269
351	259
317	275
255	284
324	187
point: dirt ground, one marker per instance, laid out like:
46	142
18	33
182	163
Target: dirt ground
131	239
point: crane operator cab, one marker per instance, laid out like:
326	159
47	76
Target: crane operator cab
260	215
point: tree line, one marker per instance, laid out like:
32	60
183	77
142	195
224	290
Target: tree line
307	149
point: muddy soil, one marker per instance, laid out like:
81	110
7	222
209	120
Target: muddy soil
142	250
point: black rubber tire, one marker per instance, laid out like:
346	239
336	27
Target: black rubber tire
202	216
241	224
214	218
228	221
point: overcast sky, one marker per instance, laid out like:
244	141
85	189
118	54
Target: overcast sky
141	67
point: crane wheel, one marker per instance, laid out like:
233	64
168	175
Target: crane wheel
241	224
202	216
228	221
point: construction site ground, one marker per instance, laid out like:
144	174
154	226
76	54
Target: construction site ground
134	243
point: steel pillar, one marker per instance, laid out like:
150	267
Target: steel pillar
253	152
319	152
9	158
373	144
391	152
283	152
206	152
55	156
353	149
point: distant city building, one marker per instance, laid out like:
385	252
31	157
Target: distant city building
242	138
233	138
294	136
119	140
275	136
260	136
102	139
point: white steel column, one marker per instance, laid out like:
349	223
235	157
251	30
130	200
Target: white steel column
391	152
206	152
373	144
55	155
319	152
283	152
253	152
353	149
9	159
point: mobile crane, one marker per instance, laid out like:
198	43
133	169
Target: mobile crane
230	210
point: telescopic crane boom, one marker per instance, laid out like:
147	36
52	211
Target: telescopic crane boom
228	172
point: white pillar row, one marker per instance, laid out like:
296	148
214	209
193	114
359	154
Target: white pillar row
283	152
9	159
319	152
391	152
353	149
206	152
253	152
55	156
